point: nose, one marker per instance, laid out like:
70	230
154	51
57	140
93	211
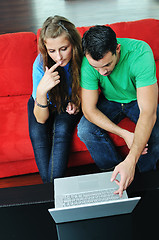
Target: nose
103	71
58	56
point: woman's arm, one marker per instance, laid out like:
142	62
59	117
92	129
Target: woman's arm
50	79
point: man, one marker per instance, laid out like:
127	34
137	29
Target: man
124	69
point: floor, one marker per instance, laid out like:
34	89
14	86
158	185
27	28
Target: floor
17	181
29	15
33	179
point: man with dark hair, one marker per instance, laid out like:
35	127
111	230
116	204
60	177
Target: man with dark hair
124	69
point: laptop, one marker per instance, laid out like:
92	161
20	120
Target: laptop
88	196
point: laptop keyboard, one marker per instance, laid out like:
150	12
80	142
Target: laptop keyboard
97	196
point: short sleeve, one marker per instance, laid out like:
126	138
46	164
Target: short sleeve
89	76
143	68
38	73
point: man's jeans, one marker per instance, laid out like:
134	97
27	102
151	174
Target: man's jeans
51	142
100	145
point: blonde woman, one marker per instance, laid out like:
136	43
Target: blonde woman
54	107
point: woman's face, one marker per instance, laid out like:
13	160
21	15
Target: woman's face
59	49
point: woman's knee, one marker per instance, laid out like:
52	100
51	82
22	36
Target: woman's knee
38	133
63	127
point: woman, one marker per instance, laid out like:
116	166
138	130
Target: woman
54	107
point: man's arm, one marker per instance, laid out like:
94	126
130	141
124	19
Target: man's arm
94	115
147	98
147	101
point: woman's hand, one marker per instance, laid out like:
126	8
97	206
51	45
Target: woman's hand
72	109
50	79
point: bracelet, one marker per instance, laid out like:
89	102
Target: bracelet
39	105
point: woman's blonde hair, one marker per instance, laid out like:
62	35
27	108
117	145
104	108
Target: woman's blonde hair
54	27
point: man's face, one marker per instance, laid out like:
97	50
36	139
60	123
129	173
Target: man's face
106	65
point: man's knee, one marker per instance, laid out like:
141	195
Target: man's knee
87	130
82	128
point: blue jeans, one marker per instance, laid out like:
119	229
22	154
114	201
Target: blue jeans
51	141
100	145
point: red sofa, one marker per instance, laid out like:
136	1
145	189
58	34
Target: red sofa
18	52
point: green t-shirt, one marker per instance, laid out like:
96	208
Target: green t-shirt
135	69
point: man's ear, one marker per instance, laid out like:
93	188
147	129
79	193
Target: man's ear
118	48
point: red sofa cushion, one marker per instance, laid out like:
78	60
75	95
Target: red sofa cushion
18	52
15	143
77	145
145	29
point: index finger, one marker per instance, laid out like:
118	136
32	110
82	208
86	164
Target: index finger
52	69
119	191
114	175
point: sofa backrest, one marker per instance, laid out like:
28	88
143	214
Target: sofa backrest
145	29
19	50
17	54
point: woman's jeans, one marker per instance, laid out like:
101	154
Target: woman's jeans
51	142
100	145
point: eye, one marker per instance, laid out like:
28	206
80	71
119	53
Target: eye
51	50
64	48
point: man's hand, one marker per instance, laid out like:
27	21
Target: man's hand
126	169
129	137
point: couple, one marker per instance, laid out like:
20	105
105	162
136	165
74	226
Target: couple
124	69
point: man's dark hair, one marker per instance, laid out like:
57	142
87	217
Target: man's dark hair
99	40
